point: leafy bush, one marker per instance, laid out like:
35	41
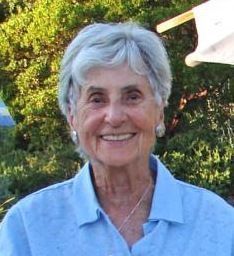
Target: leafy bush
24	171
27	172
200	159
5	205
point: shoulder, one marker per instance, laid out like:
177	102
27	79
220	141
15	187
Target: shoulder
196	202
57	199
44	202
205	204
54	201
59	193
50	194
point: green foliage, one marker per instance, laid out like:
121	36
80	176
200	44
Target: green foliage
28	172
198	158
25	171
5	205
38	152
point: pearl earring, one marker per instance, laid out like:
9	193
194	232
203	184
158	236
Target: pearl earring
74	137
160	130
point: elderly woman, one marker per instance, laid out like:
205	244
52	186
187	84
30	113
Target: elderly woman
114	84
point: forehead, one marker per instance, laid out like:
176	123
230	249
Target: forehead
119	78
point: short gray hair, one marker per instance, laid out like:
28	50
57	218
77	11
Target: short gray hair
110	45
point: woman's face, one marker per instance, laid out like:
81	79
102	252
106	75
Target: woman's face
116	116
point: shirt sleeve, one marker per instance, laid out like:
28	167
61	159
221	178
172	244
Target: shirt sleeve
13	238
232	253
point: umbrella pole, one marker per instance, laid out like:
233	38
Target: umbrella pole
176	21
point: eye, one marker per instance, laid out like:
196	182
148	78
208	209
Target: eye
133	97
96	99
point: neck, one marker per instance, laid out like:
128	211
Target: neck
121	180
125	193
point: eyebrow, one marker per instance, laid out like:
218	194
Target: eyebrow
127	88
130	87
95	89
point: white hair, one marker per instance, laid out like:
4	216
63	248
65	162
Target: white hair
110	45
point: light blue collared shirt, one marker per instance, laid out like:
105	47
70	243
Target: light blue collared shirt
66	220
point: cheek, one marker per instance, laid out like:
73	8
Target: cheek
146	119
88	122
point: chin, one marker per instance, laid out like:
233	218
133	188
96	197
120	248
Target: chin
118	160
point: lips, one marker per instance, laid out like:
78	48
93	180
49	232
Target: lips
117	137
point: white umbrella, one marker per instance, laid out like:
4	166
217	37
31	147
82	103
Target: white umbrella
215	27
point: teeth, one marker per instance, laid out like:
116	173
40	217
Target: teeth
119	137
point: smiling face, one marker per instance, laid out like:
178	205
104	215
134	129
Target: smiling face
116	117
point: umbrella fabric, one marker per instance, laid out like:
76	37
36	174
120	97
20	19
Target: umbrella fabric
5	118
215	26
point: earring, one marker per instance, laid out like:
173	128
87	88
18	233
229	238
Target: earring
160	130
74	137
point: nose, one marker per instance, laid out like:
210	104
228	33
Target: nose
115	114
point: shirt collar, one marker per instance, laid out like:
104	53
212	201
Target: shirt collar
167	200
166	204
85	201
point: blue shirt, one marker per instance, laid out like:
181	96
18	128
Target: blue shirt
66	219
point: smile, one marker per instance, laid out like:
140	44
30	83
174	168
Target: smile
118	137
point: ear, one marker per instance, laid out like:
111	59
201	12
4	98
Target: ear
160	115
70	118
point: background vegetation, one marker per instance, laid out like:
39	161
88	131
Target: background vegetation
198	145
